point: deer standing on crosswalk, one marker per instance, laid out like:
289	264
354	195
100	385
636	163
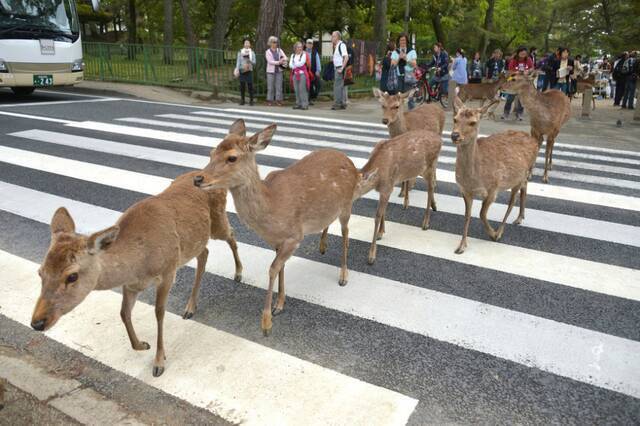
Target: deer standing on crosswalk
146	246
487	165
396	160
425	117
304	198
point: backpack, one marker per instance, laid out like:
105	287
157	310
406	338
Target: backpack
617	70
328	71
626	67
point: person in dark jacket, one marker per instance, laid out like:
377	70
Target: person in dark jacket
631	68
550	67
475	69
495	65
315	70
563	70
619	78
386	65
440	61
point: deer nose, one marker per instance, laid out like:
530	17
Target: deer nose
385	121
455	136
38	325
197	180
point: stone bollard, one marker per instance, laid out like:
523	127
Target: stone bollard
587	101
452	93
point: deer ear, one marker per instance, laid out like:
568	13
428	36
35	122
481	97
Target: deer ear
261	140
485	108
102	239
406	94
62	222
238	128
457	104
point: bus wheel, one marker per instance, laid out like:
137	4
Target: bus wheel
23	91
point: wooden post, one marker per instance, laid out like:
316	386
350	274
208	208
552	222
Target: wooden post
452	92
587	100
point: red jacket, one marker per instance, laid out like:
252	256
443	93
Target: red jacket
520	65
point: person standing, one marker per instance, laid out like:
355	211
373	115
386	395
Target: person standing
619	78
520	64
632	69
386	69
459	68
550	69
564	71
495	65
276	63
340	59
404	59
245	61
440	61
299	65
315	69
475	69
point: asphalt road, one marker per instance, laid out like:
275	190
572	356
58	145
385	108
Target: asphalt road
542	327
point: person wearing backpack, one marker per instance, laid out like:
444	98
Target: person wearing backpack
630	68
388	76
314	69
340	60
619	78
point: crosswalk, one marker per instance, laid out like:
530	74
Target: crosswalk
556	302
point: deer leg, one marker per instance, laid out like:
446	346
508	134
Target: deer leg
231	241
344	224
434	183
283	253
191	305
551	151
512	200
468	203
523	200
162	292
382	207
430	198
128	301
547	158
483	215
323	241
403	187
281	295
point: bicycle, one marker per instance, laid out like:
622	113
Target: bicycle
424	92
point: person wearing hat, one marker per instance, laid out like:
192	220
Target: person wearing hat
316	67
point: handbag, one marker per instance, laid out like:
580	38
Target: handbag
348	75
392	79
410	78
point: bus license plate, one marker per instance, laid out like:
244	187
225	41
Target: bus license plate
42	80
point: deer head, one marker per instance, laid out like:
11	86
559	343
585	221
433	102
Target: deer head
70	269
234	157
392	105
517	82
465	122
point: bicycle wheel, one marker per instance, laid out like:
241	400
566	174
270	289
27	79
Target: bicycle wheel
444	100
420	94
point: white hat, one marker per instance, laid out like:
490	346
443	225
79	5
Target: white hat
309	41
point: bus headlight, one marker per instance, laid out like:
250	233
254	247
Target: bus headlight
77	65
3	66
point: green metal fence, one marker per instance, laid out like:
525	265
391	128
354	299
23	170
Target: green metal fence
184	67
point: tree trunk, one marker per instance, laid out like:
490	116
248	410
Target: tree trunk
380	25
131	29
407	10
168	31
436	21
221	23
270	21
192	42
606	14
552	19
488	27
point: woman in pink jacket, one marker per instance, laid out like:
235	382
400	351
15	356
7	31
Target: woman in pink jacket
276	63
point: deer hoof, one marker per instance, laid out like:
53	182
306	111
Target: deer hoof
342	282
371	260
379	236
323	250
187	315
238	278
266	332
460	250
433	207
518	221
277	311
157	371
142	346
545	179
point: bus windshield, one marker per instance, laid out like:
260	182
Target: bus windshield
53	19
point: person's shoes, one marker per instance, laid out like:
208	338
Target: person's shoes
335	108
504	117
304	108
616	104
623	107
343	107
251	103
297	107
269	103
311	103
518	117
279	103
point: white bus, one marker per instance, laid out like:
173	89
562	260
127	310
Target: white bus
40	44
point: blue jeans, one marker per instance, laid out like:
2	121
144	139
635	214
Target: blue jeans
629	93
541	82
564	87
507	106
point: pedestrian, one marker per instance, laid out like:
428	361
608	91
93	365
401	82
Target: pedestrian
533	54
440	61
404	58
520	64
578	72
541	66
475	69
459	68
299	65
245	62
564	71
631	69
495	65
386	69
340	60
550	69
276	64
619	78
316	68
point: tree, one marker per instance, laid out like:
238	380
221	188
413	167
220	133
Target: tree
192	41
270	21
131	28
168	31
487	27
380	25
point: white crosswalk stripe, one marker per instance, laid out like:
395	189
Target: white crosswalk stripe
604	201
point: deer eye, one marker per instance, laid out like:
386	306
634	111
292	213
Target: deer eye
455	121
71	278
231	159
473	123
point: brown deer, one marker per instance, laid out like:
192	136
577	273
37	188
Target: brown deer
584	83
396	160
485	166
426	117
549	111
148	243
482	91
288	204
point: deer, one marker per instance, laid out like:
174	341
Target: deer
304	198
149	242
487	165
482	91
402	158
584	83
428	117
549	111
